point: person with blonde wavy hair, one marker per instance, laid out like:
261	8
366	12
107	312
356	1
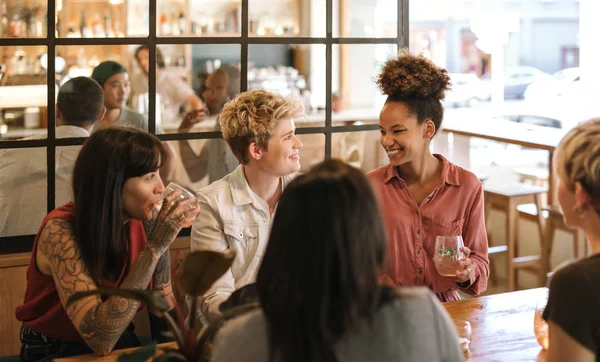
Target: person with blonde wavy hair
574	301
236	211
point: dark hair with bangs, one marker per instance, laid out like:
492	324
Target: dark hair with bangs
320	271
108	158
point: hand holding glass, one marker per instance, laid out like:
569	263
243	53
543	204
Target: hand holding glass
448	255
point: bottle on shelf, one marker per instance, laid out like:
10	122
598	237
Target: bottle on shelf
175	24
36	26
83	28
97	27
108	25
164	24
182	23
4	21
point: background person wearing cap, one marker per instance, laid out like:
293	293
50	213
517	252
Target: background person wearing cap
114	79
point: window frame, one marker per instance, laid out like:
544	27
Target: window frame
24	243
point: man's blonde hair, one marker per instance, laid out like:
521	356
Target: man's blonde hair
251	117
578	157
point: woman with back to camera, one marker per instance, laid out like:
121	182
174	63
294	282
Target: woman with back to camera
99	241
573	305
423	195
318	285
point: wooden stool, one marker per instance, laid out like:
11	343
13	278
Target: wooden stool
507	198
555	221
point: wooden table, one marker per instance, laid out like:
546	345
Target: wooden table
111	357
502	328
502	325
525	135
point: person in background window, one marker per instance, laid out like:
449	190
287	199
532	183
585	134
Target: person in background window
23	180
320	299
100	240
236	211
215	158
114	79
424	195
174	92
573	309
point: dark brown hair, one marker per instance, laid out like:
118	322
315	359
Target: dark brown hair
80	101
418	83
160	60
325	252
107	159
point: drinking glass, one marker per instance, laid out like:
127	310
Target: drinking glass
448	254
540	327
172	187
463	328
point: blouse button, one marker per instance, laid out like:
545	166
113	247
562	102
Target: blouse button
241	235
418	231
418	251
420	271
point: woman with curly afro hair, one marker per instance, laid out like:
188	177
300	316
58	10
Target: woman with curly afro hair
423	195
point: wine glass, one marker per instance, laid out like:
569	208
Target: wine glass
540	327
463	328
448	254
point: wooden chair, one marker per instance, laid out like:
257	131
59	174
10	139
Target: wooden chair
535	176
507	198
555	221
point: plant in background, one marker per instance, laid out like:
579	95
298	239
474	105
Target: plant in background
201	270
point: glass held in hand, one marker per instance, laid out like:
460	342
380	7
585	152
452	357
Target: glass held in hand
448	255
172	187
540	327
463	329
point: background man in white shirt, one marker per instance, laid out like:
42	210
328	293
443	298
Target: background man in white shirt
23	180
173	90
236	211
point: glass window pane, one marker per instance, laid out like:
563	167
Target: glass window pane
23	18
356	97
312	151
23	92
102	19
371	19
191	77
360	149
286	18
23	190
293	71
118	79
198	18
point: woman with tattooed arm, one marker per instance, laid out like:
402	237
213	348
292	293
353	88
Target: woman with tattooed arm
111	236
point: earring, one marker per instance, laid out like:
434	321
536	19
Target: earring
578	211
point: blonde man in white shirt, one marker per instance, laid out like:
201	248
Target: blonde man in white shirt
23	180
236	211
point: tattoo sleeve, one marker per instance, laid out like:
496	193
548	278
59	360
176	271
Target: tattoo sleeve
161	278
99	323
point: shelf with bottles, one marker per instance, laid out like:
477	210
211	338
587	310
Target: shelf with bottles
102	18
23	18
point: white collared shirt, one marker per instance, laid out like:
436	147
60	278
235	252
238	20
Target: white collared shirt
24	180
232	216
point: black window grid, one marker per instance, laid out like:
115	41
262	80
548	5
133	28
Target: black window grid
24	243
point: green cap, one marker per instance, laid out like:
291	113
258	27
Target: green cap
106	70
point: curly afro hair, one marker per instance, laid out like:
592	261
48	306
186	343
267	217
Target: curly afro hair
413	76
416	82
